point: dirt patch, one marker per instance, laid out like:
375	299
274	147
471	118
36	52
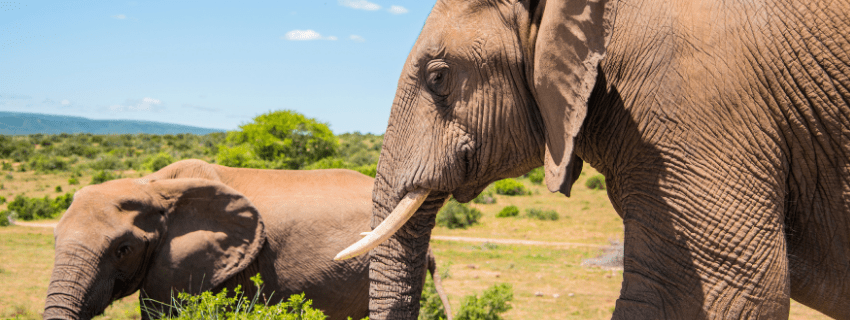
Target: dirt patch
610	259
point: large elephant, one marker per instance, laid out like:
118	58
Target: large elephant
722	129
194	226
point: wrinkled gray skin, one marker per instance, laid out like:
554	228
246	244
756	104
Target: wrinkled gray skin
722	128
194	226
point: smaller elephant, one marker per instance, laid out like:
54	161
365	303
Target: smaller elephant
194	226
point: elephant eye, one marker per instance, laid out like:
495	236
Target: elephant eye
122	251
437	77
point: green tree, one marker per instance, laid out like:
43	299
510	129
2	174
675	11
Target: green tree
285	139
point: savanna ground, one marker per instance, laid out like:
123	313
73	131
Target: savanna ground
549	282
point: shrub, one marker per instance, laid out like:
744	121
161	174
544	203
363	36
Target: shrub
106	162
102	177
430	305
237	306
337	163
158	161
286	138
541	214
7	166
509	211
73	181
510	187
596	182
239	156
4	218
42	163
536	175
2	199
58	188
457	215
486	197
492	303
38	208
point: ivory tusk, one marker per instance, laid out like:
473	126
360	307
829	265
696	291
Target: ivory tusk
402	212
365	233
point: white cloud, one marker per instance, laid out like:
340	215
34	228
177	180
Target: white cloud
145	104
299	35
65	102
119	17
359	4
357	38
397	10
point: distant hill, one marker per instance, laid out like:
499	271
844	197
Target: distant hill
16	123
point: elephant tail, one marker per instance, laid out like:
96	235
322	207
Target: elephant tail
438	284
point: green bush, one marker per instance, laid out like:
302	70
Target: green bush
536	175
58	188
4	218
596	182
237	306
103	176
457	215
42	163
493	302
509	211
510	187
7	166
26	208
337	163
158	161
430	305
240	156
486	197
286	138
541	214
73	181
106	162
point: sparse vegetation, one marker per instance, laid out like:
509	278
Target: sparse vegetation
456	215
509	211
596	182
73	181
103	176
541	214
536	175
510	187
486	197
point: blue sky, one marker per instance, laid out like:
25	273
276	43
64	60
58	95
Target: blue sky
213	64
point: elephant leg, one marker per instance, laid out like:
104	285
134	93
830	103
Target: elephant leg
819	249
717	253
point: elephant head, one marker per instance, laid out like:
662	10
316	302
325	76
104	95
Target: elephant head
160	236
490	90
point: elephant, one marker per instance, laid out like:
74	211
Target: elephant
194	226
722	129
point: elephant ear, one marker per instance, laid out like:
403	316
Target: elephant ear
569	39
212	232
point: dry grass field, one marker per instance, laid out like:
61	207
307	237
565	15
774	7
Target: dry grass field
548	281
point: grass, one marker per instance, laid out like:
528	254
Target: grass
586	217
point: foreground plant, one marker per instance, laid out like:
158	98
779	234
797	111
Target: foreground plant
234	307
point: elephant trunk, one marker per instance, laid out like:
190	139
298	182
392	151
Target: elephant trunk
70	293
397	266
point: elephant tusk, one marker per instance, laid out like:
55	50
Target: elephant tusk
402	212
365	233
